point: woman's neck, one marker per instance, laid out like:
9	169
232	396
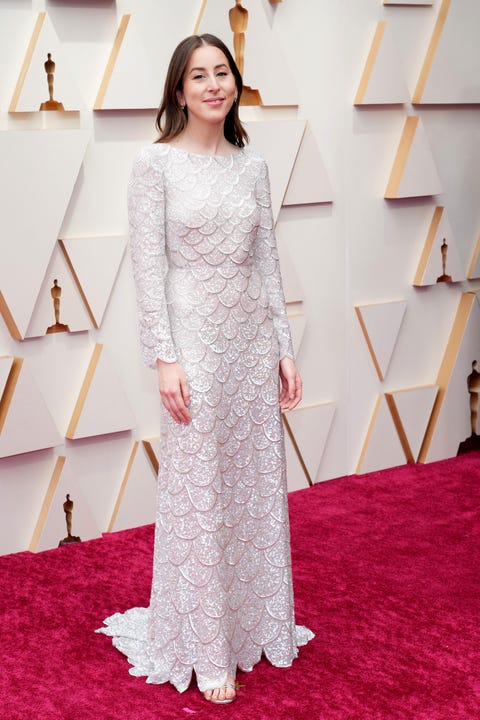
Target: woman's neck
203	139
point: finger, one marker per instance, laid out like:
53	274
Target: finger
174	404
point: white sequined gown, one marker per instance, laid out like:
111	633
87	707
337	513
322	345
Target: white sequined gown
210	296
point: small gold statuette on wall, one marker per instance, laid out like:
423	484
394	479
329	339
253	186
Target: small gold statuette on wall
444	277
68	510
50	104
56	292
473	385
238	17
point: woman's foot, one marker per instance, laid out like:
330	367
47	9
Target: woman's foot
222	695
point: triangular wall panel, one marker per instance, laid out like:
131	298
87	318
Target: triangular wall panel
25	421
127	59
72	311
310	426
380	325
440	260
414	173
450	424
266	137
32	85
382	80
298	323
451	69
474	267
45	164
136	502
381	447
94	263
51	525
411	409
101	406
309	182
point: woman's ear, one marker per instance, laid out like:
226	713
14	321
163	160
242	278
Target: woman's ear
180	99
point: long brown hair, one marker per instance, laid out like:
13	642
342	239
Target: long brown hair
172	118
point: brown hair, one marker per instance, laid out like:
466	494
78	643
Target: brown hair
171	117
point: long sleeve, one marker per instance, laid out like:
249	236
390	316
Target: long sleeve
267	263
146	213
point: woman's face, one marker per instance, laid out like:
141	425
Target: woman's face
209	87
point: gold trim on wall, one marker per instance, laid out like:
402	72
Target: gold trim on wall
26	62
147	444
8	319
402	435
432	49
121	492
446	368
427	248
297	449
92	366
78	284
47	502
370	62
117	44
368	435
9	389
401	157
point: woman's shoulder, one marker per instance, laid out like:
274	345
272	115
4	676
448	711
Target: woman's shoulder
150	157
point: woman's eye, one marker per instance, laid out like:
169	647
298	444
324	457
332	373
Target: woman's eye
197	77
222	74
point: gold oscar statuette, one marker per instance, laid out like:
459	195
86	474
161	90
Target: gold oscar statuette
238	17
56	293
473	387
50	104
444	277
68	510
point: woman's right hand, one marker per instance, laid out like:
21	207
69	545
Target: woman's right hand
174	391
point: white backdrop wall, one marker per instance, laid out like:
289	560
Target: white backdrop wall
343	245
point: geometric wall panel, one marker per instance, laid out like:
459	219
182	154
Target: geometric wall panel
297	475
128	55
381	447
308	427
474	267
411	409
94	263
32	87
413	173
51	525
451	420
297	322
382	81
309	181
25	421
266	137
451	69
265	68
440	260
380	323
286	235
71	312
136	502
45	165
101	406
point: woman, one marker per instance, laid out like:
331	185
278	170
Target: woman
213	323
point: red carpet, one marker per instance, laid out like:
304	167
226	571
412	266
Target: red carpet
386	570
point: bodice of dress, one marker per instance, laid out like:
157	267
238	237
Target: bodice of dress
201	229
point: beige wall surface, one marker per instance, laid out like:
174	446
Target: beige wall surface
370	123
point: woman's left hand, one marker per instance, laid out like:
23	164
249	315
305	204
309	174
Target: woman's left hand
291	390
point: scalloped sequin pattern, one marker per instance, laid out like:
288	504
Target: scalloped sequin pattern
210	296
